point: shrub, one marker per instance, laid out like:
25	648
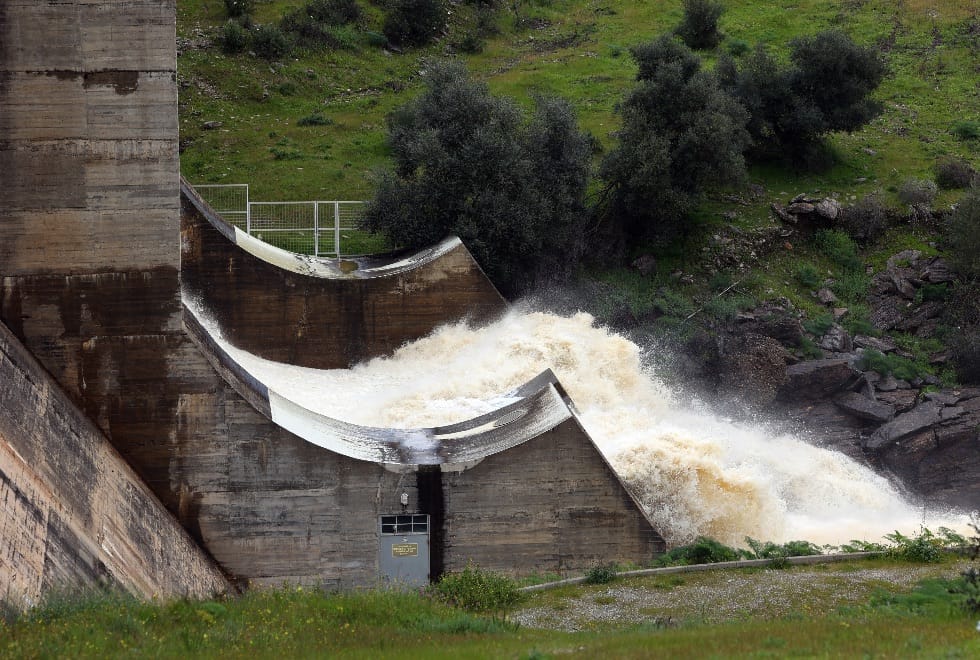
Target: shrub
827	88
234	38
334	12
819	325
415	22
703	551
476	590
890	365
239	7
681	135
808	276
314	119
966	130
738	47
865	221
964	236
307	31
964	352
839	248
925	547
270	43
699	27
601	574
917	192
770	550
954	173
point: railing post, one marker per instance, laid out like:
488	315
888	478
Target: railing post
336	228
248	218
316	229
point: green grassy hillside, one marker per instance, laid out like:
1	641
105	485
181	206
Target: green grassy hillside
576	49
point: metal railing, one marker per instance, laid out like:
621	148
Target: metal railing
314	227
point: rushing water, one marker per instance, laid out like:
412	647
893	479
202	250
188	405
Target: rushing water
694	473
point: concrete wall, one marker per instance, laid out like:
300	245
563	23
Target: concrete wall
551	504
325	322
72	513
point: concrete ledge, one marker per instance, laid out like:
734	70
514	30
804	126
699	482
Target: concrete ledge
693	568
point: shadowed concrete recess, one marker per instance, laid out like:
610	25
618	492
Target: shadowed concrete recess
105	260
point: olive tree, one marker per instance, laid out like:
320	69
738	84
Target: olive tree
469	163
681	135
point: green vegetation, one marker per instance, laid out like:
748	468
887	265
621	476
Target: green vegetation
469	163
476	590
896	150
839	610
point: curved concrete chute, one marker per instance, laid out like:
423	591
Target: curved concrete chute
324	313
540	406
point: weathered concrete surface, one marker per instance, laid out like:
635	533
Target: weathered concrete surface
72	513
330	314
551	504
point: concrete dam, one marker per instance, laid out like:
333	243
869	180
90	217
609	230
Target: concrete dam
185	410
137	450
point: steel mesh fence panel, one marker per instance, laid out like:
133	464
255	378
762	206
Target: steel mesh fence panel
230	201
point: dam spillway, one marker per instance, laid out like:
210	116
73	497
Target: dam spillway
136	449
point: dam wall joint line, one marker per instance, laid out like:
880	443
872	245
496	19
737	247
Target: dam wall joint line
808	560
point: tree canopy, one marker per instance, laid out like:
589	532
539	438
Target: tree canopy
512	187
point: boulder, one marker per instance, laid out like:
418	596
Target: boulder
921	417
826	296
836	340
880	344
828	208
817	379
864	407
936	271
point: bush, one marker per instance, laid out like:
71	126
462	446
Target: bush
865	221
334	12
917	192
964	236
890	365
239	7
314	119
738	47
234	38
770	550
270	43
703	551
306	31
808	276
681	135
699	27
966	130
924	548
468	163
601	574
415	22
476	590
839	248
826	89
954	173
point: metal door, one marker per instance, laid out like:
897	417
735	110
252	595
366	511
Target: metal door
404	549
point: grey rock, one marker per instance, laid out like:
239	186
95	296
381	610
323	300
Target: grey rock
864	408
826	296
945	398
211	125
903	259
936	271
801	208
836	339
880	344
828	208
814	379
921	417
903	400
887	384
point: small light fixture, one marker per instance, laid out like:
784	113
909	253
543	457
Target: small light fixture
404	499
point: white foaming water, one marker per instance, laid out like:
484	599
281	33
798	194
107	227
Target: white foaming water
693	473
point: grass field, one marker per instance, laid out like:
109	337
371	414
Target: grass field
829	620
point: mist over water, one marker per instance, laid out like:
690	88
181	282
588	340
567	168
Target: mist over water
694	473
